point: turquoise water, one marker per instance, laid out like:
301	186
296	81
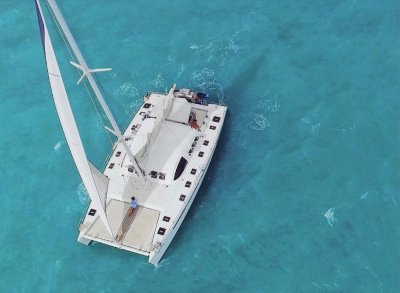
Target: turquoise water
303	193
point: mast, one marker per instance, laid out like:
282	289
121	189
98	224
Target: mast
68	123
86	72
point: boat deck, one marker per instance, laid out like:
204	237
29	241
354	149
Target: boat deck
132	231
161	144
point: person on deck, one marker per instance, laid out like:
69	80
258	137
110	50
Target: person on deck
146	115
193	124
194	97
132	206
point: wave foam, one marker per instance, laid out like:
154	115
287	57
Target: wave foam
315	129
57	146
129	89
259	121
330	216
83	194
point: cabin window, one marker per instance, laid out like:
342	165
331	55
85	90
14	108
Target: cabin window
161	231
181	167
216	119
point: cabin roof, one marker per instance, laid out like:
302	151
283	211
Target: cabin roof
172	143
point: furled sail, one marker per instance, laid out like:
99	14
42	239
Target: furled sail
86	170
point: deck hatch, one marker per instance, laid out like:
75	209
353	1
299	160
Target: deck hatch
118	154
111	166
193	171
205	142
166	219
212	127
161	231
147	105
216	119
182	197
92	212
188	183
201	154
153	174
130	169
180	168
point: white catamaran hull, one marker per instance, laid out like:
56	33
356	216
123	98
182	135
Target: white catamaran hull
156	255
161	158
177	209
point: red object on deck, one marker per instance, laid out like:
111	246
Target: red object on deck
194	124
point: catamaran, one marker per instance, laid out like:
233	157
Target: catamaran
160	159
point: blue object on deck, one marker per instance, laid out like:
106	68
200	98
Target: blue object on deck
202	95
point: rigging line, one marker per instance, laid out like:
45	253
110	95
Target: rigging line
98	113
77	70
101	88
60	31
96	106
